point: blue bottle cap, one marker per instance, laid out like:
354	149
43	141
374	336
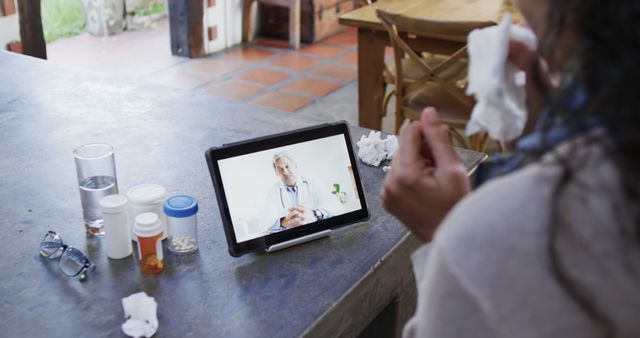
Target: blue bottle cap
180	206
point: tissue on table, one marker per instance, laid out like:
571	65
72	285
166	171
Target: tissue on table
498	86
372	149
141	309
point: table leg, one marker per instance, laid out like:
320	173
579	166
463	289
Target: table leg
247	25
294	24
370	81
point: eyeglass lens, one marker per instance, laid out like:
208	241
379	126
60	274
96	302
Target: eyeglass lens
72	262
50	245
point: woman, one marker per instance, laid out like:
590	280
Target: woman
551	248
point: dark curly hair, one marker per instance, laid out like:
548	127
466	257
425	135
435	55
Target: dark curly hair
605	63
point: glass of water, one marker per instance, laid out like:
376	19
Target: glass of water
95	165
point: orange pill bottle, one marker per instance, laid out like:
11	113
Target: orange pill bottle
148	229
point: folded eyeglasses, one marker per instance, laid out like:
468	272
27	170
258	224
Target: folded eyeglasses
73	262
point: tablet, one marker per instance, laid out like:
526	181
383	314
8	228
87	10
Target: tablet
286	188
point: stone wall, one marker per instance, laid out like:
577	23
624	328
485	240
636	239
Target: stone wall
104	17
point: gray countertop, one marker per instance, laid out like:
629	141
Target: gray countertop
160	136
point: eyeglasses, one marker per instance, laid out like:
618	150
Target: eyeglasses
73	263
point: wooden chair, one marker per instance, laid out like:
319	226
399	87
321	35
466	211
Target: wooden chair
509	7
440	78
412	71
294	20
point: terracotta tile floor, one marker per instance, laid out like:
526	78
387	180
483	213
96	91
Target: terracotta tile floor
283	101
296	62
265	72
263	76
351	58
248	54
314	87
233	90
337	71
322	50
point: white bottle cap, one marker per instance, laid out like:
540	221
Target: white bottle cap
147	193
113	204
147	225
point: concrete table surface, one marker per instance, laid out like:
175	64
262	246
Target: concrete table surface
329	286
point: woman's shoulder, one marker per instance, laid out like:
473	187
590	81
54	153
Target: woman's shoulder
496	236
513	203
496	241
520	203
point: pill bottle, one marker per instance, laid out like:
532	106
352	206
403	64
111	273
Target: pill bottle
181	213
116	226
148	230
147	197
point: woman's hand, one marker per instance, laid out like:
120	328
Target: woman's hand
426	178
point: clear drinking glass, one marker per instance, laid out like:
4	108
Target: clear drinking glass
95	165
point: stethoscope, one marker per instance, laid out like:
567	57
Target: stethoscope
538	142
304	181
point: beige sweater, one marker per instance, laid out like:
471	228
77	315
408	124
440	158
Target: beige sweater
487	272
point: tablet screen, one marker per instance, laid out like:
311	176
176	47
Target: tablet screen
287	187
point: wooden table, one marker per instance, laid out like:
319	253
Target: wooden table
372	40
331	287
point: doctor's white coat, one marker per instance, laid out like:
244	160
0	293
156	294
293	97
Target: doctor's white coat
311	195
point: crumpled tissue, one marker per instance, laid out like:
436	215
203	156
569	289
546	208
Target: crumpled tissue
372	149
141	309
498	85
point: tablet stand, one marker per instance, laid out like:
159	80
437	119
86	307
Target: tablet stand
297	241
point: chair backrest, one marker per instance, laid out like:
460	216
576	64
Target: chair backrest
439	29
452	32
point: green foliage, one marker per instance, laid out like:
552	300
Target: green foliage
61	18
144	14
151	7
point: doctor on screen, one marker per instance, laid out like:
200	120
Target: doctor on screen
296	200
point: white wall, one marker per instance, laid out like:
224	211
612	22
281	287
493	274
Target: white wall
214	16
247	178
9	29
233	22
226	15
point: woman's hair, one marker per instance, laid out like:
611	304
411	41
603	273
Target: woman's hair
604	62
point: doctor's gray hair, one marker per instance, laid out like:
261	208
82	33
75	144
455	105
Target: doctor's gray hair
280	155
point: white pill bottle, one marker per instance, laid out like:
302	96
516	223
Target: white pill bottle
116	226
181	211
147	197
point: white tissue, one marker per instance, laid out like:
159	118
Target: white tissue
498	86
372	150
141	309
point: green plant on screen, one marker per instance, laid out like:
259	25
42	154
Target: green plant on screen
341	195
